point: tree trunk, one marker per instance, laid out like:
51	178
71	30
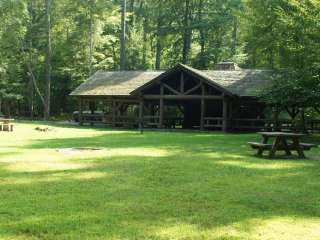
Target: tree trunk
31	85
123	36
158	48
276	119
31	100
201	35
293	112
144	49
303	120
91	44
114	56
48	60
187	33
34	89
132	17
159	37
234	36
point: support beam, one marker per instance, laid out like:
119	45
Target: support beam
171	89
182	82
202	109
92	106
80	113
181	97
230	115
193	89
114	113
161	105
111	98
141	114
225	115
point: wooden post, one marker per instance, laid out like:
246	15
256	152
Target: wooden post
113	113
230	115
182	83
141	115
161	106
92	107
203	107
225	115
276	126
80	111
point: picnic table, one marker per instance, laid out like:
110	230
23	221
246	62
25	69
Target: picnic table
6	124
283	141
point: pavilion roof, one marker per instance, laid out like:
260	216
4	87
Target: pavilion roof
122	83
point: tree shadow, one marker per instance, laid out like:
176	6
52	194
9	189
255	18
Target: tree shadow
208	181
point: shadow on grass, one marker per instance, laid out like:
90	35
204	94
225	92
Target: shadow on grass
140	195
208	181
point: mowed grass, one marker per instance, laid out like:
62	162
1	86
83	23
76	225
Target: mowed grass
152	186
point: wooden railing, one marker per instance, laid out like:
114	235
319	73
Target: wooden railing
151	121
313	125
126	121
173	122
247	124
242	124
92	118
213	122
271	125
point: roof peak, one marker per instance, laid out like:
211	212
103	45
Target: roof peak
185	66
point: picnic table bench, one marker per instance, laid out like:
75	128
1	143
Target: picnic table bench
6	124
281	143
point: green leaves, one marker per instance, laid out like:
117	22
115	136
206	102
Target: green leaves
284	36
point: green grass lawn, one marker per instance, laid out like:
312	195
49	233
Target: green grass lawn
157	185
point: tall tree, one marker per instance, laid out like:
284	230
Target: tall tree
159	35
187	33
91	34
201	31
123	36
48	58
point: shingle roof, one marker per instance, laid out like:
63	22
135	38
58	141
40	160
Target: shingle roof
122	83
241	82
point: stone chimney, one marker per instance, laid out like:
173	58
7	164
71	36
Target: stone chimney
227	65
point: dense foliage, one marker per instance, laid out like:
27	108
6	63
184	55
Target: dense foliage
284	35
75	38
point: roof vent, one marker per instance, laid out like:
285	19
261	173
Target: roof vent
227	65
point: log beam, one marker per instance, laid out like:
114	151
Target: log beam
161	106
182	82
171	89
202	114
141	107
80	111
193	89
225	115
181	97
114	106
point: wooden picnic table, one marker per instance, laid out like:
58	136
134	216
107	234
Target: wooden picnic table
6	124
6	120
281	143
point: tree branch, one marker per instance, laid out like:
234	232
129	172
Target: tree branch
31	74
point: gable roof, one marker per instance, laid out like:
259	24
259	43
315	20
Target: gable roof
117	83
192	71
124	83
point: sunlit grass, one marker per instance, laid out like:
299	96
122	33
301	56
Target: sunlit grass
155	185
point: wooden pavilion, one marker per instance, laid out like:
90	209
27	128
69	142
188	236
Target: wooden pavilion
182	97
